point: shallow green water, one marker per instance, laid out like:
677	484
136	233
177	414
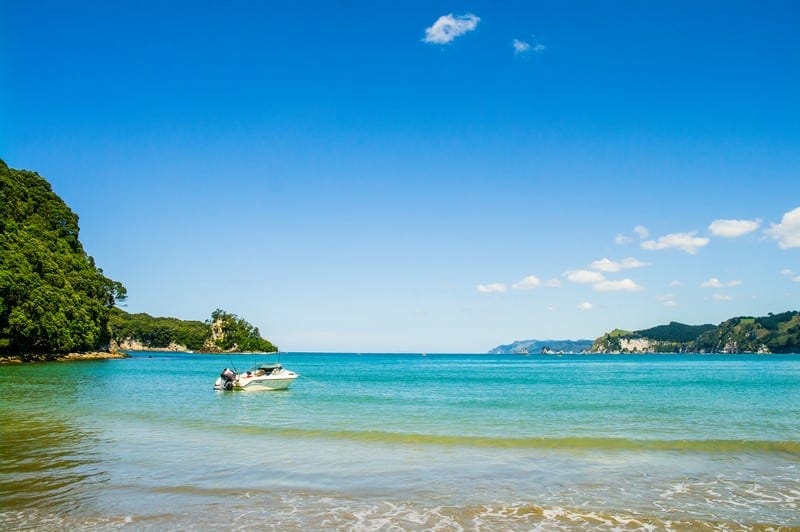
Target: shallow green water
376	441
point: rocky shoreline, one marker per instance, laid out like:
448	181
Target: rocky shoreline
91	355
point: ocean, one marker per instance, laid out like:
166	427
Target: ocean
396	442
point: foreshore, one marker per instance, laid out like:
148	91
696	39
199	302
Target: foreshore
91	355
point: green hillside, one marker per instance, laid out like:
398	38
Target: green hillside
774	333
222	332
53	298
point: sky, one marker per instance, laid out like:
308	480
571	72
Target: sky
420	176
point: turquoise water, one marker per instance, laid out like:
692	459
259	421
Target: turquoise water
404	441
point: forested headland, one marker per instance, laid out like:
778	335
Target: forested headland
222	332
55	300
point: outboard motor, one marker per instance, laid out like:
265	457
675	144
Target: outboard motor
225	381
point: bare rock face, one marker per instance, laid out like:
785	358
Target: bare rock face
132	344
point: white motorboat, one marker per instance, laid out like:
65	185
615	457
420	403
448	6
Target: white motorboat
264	377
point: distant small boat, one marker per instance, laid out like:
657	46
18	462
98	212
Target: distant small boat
266	377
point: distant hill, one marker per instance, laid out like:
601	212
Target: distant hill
774	333
223	332
535	347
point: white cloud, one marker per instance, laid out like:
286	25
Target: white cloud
713	282
491	288
642	231
528	283
622	239
721	297
607	265
447	27
675	283
787	271
787	233
687	242
552	308
668	300
623	285
796	279
733	228
539	48
520	47
553	283
584	277
585	306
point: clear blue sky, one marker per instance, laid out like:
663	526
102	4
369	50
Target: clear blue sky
383	176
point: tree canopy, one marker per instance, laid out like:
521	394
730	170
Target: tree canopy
53	298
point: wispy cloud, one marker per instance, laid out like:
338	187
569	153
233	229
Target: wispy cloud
553	283
600	283
491	288
622	239
721	297
640	230
520	47
622	285
787	233
687	242
790	273
733	228
713	282
675	283
584	277
585	306
608	265
448	27
528	283
668	300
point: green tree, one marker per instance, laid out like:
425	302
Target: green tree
53	299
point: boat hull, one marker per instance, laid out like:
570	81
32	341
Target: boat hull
254	385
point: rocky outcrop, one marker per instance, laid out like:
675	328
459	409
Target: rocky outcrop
132	344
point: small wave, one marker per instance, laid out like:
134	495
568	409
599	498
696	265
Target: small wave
315	512
556	443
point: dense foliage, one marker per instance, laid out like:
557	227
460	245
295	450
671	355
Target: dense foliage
158	332
780	333
232	332
53	299
775	333
675	332
223	332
